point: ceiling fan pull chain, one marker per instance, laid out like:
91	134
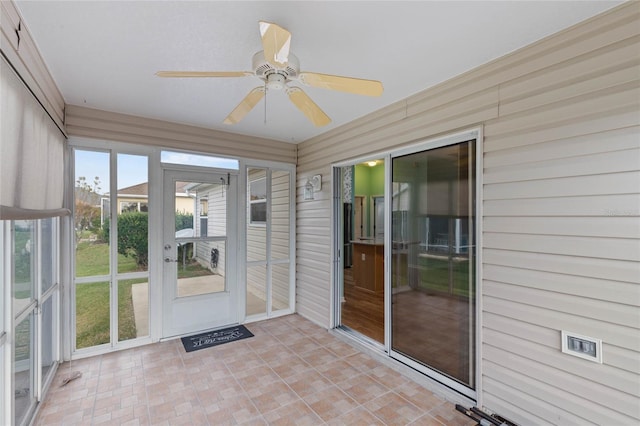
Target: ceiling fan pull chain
265	102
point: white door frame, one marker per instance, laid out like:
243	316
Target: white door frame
185	315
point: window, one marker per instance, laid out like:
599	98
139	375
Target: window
134	206
187	159
258	201
204	217
30	248
128	206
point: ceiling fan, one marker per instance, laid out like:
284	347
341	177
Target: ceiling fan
276	66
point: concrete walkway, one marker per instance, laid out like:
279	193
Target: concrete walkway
186	287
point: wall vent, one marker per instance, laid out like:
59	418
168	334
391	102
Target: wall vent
582	346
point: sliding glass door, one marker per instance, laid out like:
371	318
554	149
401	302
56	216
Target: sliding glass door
433	257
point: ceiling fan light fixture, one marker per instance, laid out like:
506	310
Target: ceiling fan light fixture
276	81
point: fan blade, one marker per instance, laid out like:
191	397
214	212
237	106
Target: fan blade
203	73
309	108
276	42
247	104
357	86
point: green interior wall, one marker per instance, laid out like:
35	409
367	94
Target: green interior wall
368	182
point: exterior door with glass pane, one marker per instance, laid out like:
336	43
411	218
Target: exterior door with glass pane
199	251
433	275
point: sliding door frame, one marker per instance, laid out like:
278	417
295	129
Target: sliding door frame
475	133
427	145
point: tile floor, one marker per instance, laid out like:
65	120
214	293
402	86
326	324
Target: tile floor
291	373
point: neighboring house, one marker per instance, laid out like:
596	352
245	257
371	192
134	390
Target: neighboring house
550	132
136	198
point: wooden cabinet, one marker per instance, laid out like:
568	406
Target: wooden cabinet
368	265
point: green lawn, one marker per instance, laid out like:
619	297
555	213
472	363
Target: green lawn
433	274
92	300
436	276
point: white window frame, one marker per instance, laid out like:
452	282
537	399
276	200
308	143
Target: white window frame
258	201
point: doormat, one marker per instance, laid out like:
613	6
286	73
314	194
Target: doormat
216	337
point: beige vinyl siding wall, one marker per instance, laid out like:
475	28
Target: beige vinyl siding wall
111	126
280	237
216	226
561	215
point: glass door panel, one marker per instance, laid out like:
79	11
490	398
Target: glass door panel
23	264
362	215
132	216
257	243
256	290
268	241
433	260
93	325
91	214
280	285
23	369
47	337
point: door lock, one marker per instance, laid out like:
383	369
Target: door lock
169	260
167	246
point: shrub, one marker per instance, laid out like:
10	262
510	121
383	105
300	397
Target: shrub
184	220
133	236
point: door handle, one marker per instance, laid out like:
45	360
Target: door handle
168	260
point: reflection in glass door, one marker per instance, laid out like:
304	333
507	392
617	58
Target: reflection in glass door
433	261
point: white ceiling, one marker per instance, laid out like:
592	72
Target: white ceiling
104	54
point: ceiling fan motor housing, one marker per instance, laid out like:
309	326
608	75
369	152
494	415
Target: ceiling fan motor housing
275	78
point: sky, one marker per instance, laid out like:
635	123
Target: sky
133	169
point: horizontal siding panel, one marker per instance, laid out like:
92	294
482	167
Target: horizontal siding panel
607	269
574	42
596	143
567	110
596	383
438	108
335	138
596	62
313	247
514	404
623	293
624	337
613	119
607	226
598	205
407	130
603	248
612	183
601	163
562	408
567	91
86	122
617	357
312	312
626	314
318	262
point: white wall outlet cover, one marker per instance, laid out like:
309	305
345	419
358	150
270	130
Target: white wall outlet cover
584	347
